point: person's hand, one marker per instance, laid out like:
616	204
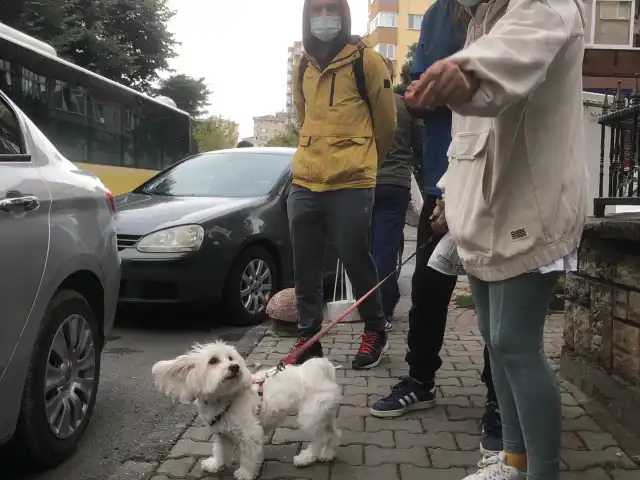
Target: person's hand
438	218
442	83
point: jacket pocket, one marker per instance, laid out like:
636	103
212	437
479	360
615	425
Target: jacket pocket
349	160
468	193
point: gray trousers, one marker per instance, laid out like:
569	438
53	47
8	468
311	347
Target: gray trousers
344	218
511	317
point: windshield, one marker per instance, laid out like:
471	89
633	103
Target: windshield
229	174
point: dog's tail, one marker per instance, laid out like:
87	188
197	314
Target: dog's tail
325	366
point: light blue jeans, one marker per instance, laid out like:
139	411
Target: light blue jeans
511	318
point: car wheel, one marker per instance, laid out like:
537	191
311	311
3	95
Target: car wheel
62	381
251	282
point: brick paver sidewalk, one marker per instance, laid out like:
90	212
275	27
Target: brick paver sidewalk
438	444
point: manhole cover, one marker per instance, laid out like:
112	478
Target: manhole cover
122	351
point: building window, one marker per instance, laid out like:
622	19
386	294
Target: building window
387	50
33	86
611	22
415	21
383	19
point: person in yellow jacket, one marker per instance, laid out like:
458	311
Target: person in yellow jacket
346	110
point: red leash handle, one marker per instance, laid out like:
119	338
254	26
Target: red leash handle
291	357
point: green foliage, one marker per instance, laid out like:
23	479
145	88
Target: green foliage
464	301
405	72
288	138
559	286
124	40
215	133
190	94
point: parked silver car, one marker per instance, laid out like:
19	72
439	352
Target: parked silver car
59	281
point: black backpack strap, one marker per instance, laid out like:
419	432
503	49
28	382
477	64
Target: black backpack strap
358	74
304	63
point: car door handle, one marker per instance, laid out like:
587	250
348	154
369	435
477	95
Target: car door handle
27	203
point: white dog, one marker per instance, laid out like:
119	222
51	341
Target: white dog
216	378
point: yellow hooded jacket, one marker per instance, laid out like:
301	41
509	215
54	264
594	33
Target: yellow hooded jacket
342	143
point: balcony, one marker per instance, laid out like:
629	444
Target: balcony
618	183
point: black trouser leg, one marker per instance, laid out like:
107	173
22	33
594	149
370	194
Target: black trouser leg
348	213
430	296
487	378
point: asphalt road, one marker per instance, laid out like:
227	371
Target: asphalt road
131	420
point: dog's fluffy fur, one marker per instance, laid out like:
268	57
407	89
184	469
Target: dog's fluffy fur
216	378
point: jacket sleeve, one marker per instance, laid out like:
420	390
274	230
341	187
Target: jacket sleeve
381	98
512	59
298	99
416	140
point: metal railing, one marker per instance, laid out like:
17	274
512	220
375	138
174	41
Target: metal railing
620	147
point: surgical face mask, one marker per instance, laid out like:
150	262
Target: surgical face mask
326	28
470	3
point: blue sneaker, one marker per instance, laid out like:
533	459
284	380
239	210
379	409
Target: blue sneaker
491	437
405	396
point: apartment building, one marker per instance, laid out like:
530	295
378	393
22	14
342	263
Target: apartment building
294	53
612	40
394	25
266	127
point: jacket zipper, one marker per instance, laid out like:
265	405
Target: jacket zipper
333	89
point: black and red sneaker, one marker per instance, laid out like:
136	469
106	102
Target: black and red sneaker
313	351
373	345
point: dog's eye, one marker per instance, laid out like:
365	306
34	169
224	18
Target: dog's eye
230	359
213	360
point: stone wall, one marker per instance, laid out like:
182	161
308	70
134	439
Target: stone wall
602	316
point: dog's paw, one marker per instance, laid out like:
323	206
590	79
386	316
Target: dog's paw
327	455
211	465
304	459
243	474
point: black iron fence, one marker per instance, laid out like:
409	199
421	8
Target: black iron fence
619	176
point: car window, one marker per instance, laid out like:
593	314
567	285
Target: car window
9	131
225	174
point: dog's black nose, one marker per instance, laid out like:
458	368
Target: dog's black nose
234	368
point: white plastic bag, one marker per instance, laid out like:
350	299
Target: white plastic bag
415	204
445	259
338	307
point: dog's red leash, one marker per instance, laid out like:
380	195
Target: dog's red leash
294	355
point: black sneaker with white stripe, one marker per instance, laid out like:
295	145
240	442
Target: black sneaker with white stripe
405	396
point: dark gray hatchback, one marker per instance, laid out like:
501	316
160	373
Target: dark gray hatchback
212	227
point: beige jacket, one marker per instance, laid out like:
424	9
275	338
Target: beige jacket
516	185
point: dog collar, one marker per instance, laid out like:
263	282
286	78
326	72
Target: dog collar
218	417
260	384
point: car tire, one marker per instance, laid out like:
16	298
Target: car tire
239	314
35	436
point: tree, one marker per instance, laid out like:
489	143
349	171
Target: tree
288	138
405	73
215	133
124	40
190	94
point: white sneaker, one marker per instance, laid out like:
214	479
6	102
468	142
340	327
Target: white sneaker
493	467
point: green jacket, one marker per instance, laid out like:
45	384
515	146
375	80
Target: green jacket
405	151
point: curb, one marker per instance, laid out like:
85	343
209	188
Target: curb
143	469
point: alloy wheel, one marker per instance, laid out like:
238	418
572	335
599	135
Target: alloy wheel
256	285
70	377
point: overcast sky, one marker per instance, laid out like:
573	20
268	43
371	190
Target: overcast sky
240	47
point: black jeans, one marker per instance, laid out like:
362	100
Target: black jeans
344	218
430	297
387	224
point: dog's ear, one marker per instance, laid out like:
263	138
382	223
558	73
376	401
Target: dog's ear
171	376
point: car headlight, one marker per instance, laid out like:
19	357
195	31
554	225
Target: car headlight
185	238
